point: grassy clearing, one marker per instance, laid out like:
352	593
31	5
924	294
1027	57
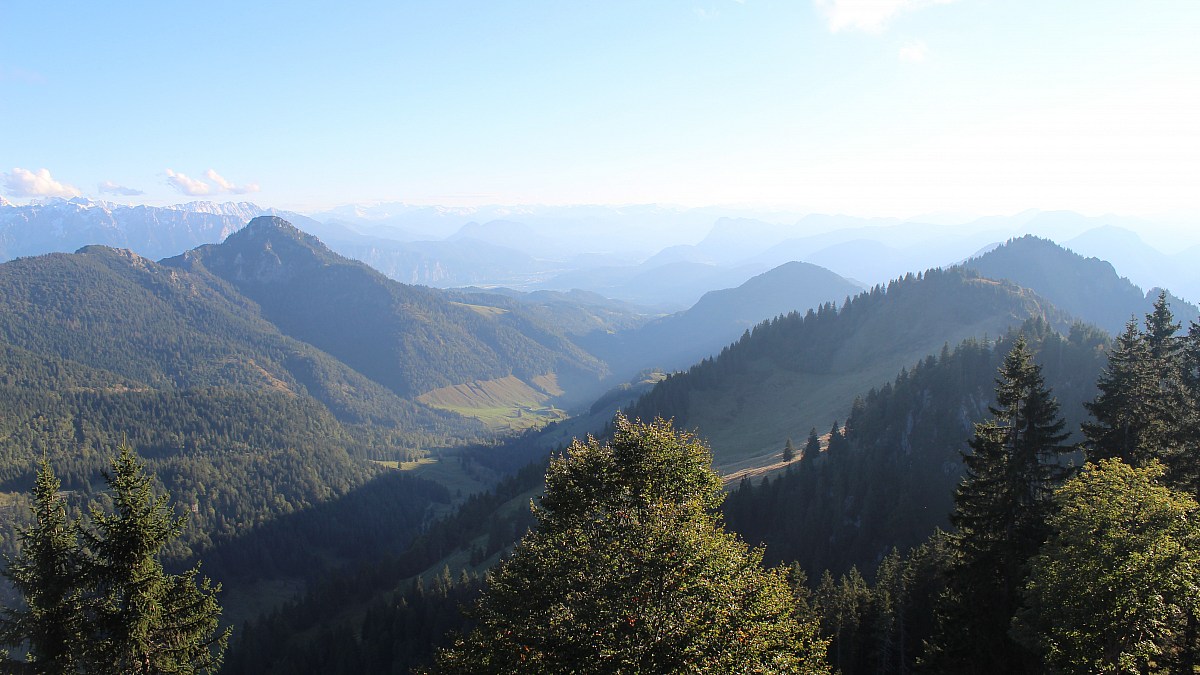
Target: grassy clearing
482	309
404	466
462	480
506	404
748	427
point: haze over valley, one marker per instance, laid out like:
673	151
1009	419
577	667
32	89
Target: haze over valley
822	336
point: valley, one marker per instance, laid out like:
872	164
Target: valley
336	437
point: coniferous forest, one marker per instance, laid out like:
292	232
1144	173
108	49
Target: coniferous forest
830	337
1021	499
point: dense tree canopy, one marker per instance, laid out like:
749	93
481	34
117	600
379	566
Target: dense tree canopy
628	570
1117	587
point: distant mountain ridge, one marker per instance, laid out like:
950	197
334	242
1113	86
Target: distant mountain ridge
804	370
719	317
1088	288
65	225
1142	263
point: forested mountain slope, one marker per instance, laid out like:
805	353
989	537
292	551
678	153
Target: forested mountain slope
802	371
273	445
166	328
241	423
410	339
1088	288
890	479
718	318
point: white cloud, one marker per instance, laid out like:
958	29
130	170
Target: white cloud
188	185
25	183
110	188
871	16
230	187
914	51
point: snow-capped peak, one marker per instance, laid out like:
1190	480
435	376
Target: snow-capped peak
246	210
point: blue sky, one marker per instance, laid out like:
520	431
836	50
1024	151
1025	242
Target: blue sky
868	107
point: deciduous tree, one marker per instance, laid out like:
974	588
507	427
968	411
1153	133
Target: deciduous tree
628	570
1114	587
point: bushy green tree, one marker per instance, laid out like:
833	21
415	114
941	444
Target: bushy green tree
1113	589
628	570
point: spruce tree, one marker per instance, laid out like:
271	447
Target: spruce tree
97	599
837	441
1001	511
789	451
812	448
1187	466
629	571
50	627
146	621
1146	409
1123	408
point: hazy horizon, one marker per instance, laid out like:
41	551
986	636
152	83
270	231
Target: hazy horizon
881	108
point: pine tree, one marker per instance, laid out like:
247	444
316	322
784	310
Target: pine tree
1001	511
812	448
1186	468
1122	409
789	451
629	571
1146	409
837	441
146	621
46	574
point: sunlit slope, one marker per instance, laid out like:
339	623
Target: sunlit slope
720	317
410	339
802	371
1089	288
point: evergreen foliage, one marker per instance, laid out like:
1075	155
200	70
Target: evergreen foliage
812	447
46	572
99	600
882	627
629	571
1122	411
147	621
1147	407
1001	512
894	484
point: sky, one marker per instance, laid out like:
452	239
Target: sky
863	107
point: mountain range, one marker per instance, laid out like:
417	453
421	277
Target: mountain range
275	385
642	254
